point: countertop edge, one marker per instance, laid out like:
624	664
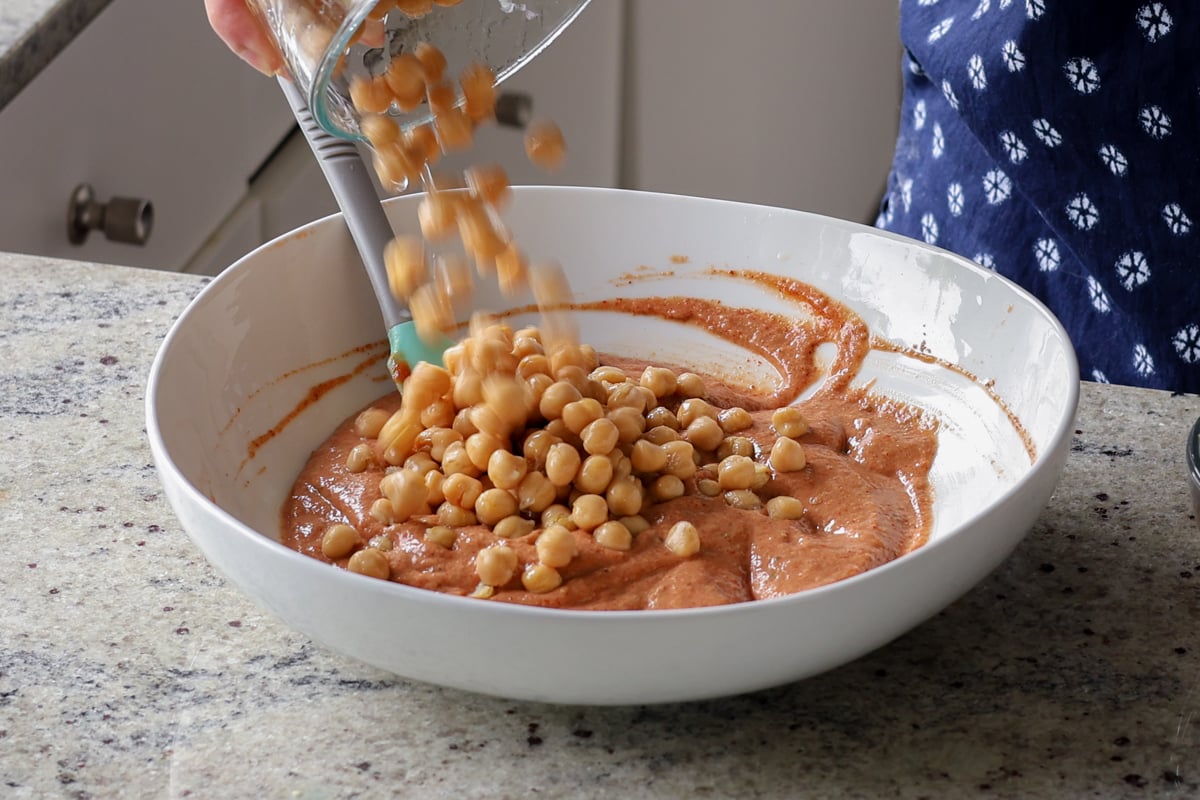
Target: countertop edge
42	42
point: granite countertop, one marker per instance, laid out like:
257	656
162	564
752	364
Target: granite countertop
129	668
32	32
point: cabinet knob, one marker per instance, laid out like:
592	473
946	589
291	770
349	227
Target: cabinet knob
514	109
121	219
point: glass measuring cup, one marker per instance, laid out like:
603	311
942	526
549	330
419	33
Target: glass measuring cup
321	44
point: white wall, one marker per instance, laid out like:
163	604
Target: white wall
782	102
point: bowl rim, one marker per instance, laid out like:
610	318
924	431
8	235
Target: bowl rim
272	547
1193	453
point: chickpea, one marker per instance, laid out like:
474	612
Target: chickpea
557	514
506	469
683	539
382	542
370	562
627	395
556	398
536	493
438	216
636	523
406	491
693	409
787	455
480	447
735	446
370	422
489	183
455	516
666	487
479	92
784	507
689	384
540	578
562	464
513	527
581	413
609	374
433	487
494	505
734	420
359	458
534	364
420	463
496	565
556	546
438	414
662	417
544	144
625	497
468	390
600	436
646	456
659	380
736	472
614	536
743	499
680	459
407	269
455	460
660	435
339	541
704	433
433	61
537	446
629	422
381	511
594	475
789	422
441	535
589	511
461	490
708	487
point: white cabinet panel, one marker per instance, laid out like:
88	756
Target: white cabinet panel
146	102
576	82
772	101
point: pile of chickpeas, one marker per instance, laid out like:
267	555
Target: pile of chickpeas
523	431
533	437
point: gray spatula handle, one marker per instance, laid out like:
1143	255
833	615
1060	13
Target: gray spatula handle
348	178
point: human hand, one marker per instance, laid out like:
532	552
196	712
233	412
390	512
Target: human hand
239	28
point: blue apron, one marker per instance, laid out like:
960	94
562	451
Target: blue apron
1056	142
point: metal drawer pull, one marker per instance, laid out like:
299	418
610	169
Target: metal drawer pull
514	109
122	219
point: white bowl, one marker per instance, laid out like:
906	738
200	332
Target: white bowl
232	416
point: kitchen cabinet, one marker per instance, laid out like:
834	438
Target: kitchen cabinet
778	102
145	103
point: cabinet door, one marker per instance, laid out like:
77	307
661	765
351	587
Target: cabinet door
146	103
576	82
778	102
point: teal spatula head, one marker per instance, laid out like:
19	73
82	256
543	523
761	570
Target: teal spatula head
408	349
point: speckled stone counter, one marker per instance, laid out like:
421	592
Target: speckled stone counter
32	32
128	668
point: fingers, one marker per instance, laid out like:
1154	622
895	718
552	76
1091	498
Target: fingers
244	34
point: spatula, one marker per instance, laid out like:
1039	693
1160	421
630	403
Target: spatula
348	178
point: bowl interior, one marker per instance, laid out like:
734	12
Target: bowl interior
288	342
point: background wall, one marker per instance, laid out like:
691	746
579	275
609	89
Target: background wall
782	102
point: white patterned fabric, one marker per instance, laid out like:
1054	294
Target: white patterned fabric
1058	143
